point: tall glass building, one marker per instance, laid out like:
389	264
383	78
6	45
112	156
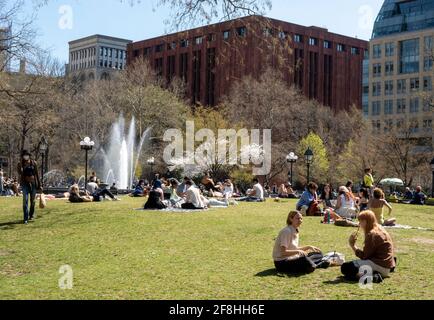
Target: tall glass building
399	94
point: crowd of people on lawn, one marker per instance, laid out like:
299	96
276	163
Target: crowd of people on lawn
363	209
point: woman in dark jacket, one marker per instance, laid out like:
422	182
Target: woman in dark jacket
30	182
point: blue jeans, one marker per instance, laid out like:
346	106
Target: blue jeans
29	194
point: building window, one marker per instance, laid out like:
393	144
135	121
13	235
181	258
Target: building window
105	52
327	44
159	48
110	53
376	108
389	68
409	56
376	48
427	63
198	41
388	88
211	37
376	126
298	38
428	45
427	84
427	125
401	106
414	105
183	67
226	34
268	32
101	52
242	32
283	35
171	46
401	86
340	47
388	125
147	51
414	84
121	66
313	41
376	89
388	107
184	43
136	53
116	53
414	126
355	51
427	103
376	72
389	49
366	109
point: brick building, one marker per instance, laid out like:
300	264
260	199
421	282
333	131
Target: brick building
325	66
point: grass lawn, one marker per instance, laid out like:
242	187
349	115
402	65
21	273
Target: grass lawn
119	253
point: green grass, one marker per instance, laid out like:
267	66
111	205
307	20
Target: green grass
119	253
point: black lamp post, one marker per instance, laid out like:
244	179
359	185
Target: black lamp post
151	163
432	187
308	157
43	146
292	159
86	145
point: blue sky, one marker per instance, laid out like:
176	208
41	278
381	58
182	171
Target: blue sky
64	20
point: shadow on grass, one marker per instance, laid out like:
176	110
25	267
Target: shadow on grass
274	273
10	225
339	280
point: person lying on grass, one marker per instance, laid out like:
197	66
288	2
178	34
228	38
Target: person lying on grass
377	253
75	197
288	256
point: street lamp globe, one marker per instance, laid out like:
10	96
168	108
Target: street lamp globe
151	161
292	157
43	145
308	156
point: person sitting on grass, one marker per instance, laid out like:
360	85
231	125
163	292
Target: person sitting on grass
75	197
94	189
378	251
283	191
377	204
288	256
308	204
346	204
408	195
139	191
364	199
419	197
327	197
193	199
228	189
256	194
175	200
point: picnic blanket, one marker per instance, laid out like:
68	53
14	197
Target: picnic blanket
400	226
173	210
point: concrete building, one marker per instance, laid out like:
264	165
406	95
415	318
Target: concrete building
399	73
5	57
325	66
97	57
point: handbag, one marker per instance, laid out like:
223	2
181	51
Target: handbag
42	201
335	258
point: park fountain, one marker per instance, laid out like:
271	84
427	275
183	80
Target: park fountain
123	154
